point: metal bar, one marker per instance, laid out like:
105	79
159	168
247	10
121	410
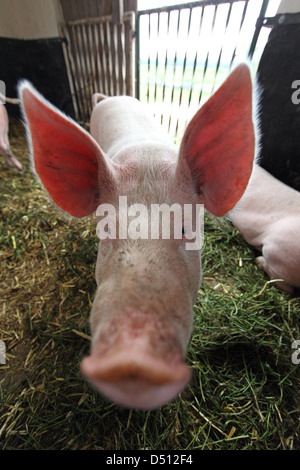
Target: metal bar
137	59
156	60
282	19
183	6
185	57
195	61
259	25
178	78
184	68
103	19
207	57
240	28
165	69
174	72
149	61
221	50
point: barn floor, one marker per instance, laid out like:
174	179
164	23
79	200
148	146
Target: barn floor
245	391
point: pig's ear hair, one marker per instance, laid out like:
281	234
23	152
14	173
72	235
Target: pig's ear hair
219	144
67	160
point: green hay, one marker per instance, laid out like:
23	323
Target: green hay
245	390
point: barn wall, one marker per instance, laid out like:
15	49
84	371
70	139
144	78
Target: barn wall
30	48
29	19
289	6
92	8
279	68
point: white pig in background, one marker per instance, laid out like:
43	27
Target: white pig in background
10	160
268	217
142	314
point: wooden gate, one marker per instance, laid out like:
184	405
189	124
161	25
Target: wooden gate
99	57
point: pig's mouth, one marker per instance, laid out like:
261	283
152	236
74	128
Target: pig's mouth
136	380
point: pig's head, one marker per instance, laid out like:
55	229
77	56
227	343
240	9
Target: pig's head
141	319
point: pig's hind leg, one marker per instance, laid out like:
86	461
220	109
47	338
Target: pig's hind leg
276	261
262	263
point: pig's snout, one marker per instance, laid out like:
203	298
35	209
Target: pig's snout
136	361
135	379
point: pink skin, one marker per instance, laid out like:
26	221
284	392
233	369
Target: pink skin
268	217
142	314
142	332
10	160
144	342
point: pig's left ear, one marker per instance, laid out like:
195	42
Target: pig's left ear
68	161
219	144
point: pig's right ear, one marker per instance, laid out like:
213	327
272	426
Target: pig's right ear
218	145
68	161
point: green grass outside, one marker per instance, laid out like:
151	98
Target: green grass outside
166	79
176	96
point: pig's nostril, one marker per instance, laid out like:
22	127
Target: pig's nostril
136	382
124	365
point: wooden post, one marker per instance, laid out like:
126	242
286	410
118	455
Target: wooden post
117	11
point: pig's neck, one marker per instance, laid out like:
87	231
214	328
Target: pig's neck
144	153
116	124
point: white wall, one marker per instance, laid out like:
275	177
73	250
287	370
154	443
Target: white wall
29	19
289	6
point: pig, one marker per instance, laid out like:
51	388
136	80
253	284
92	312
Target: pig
268	217
142	313
5	150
